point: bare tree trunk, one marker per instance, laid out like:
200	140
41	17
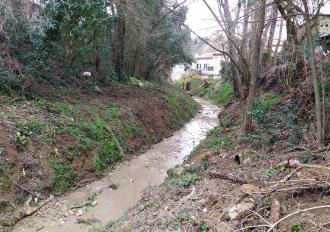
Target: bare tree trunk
264	40
271	34
245	27
287	12
314	74
231	32
278	43
119	46
254	66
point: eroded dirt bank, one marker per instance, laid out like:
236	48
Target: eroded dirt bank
112	196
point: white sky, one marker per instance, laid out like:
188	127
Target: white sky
201	21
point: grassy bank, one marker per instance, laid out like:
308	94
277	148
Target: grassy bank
217	91
69	138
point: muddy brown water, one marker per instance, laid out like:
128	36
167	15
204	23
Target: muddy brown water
148	169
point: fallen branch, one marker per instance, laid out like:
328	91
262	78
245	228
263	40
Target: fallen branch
300	149
294	213
229	176
313	166
287	177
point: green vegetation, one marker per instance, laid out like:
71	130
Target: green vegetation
297	228
219	92
183	181
97	133
224	95
221	142
188	176
177	221
64	176
181	104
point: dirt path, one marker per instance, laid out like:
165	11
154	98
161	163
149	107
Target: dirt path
106	203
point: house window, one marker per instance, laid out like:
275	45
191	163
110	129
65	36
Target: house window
199	66
205	67
210	68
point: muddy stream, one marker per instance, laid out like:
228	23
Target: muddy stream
107	204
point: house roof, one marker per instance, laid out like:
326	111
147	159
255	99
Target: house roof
205	56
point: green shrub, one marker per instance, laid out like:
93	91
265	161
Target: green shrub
8	81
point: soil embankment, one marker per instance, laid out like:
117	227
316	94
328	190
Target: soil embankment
114	195
71	137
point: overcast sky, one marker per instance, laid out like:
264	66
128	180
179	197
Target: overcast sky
201	21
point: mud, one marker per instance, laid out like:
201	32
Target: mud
108	202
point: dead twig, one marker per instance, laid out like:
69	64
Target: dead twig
20	186
318	225
299	149
278	185
313	166
23	213
252	227
294	213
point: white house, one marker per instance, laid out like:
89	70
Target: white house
208	64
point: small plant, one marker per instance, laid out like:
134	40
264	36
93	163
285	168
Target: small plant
183	181
221	142
114	111
269	172
109	155
297	228
214	131
204	228
21	141
132	129
64	176
41	102
42	131
64	107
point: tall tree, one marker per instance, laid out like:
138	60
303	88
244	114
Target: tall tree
119	41
254	65
311	47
